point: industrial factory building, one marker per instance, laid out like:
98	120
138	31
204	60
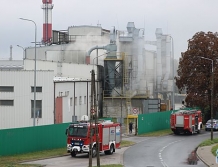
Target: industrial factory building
128	77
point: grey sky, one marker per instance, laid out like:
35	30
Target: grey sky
180	18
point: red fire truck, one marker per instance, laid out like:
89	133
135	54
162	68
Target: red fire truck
186	121
78	137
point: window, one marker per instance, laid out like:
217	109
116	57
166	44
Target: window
79	131
71	101
38	89
38	112
6	102
6	89
75	101
80	100
84	99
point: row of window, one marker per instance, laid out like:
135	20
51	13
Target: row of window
38	113
11	102
11	89
81	100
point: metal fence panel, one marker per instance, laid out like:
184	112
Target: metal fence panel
31	139
150	122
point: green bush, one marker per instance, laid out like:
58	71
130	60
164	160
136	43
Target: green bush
209	142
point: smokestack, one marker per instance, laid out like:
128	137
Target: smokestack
47	21
10	53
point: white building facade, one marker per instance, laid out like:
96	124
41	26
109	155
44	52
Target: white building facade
72	99
17	97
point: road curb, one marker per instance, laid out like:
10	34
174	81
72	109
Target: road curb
205	155
199	157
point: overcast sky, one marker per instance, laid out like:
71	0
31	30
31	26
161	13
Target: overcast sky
179	18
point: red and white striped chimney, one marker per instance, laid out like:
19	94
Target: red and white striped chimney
47	21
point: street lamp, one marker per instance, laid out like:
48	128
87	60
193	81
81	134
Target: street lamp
212	87
173	101
93	93
34	108
23	52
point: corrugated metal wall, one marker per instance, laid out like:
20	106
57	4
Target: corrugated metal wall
81	71
77	102
31	139
153	122
19	115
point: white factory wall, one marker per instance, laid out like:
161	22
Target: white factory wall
62	69
85	31
19	115
81	93
75	51
76	91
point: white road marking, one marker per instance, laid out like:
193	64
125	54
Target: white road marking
162	149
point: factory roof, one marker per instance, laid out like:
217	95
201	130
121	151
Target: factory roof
69	79
11	64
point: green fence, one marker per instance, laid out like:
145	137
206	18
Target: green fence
31	139
153	121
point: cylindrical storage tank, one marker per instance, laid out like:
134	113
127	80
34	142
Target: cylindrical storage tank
159	64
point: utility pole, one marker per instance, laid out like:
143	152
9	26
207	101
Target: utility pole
96	118
211	96
90	145
91	111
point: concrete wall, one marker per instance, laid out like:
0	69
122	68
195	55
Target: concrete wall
112	108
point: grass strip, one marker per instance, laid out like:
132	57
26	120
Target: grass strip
157	133
111	165
210	142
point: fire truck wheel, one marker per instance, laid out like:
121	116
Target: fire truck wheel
94	152
176	132
73	154
111	151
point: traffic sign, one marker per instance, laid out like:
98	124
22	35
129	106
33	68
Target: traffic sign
92	110
217	151
135	110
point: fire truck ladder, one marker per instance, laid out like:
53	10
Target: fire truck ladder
129	95
189	111
128	106
125	70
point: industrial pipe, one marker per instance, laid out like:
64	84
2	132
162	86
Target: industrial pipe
109	48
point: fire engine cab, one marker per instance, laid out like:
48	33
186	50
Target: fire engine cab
78	137
186	121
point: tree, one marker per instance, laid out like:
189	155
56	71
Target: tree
195	72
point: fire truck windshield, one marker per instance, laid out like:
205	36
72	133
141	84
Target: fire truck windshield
79	131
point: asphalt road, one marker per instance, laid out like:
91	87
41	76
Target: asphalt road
81	160
167	151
